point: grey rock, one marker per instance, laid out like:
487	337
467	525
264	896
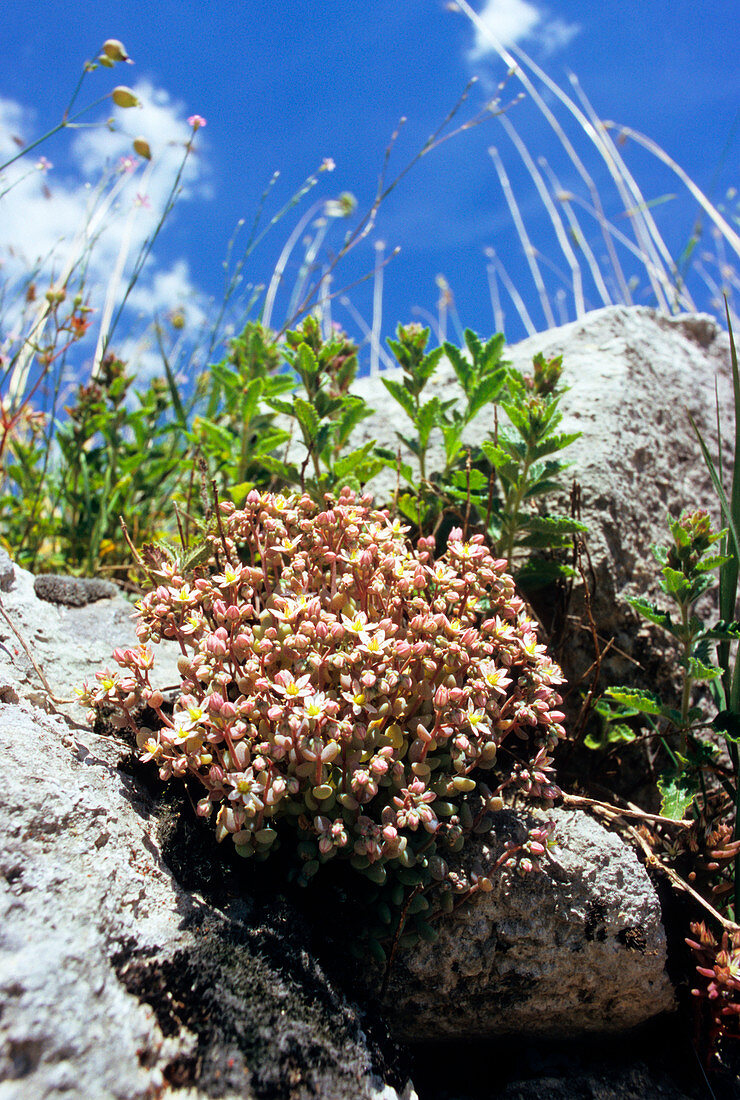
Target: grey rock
577	948
117	983
69	644
73	591
7	571
635	1082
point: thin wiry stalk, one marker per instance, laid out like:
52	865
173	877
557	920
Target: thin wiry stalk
623	240
558	272
560	297
452	308
636	209
309	261
577	278
324	303
563	197
81	244
715	289
437	138
115	281
498	313
513	294
365	330
443	303
529	250
727	231
254	240
521	75
377	309
277	275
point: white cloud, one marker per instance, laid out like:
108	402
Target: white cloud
512	21
99	207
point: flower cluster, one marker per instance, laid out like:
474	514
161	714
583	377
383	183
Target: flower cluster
719	966
342	686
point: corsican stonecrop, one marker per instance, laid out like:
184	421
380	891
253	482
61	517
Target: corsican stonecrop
341	687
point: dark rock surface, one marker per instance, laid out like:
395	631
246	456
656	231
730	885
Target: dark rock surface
73	591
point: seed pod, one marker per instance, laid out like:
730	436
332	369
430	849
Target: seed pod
124	97
115	50
141	146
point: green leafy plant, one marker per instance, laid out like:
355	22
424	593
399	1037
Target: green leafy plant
523	460
698	780
501	484
685	576
481	377
344	694
237	427
325	413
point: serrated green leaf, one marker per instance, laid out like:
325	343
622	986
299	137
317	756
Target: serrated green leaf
355	410
723	630
306	363
474	344
428	365
556	443
646	702
478	480
306	416
714	562
486	392
411	507
427	419
614	734
552	525
284	470
677	794
285	407
462	368
728	723
495	454
650	612
537	573
700	671
401	395
352	461
675	583
603	707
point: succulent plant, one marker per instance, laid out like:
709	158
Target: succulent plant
343	690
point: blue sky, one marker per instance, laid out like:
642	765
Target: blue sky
285	85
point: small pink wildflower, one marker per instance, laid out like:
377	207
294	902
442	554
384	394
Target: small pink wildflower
196	122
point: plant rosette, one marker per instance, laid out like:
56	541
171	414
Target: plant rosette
341	689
